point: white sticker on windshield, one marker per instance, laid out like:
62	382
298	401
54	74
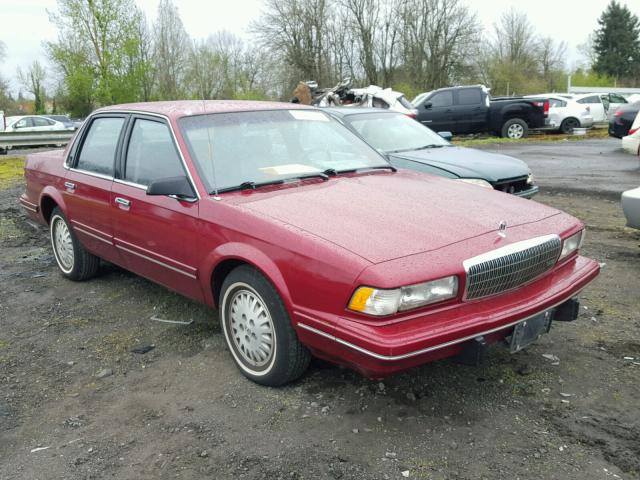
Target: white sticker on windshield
289	169
309	115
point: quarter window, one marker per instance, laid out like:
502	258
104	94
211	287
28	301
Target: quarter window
442	99
99	148
151	153
556	103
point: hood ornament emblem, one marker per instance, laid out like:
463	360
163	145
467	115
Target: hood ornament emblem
502	227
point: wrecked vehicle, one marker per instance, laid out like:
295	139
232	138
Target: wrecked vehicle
304	237
343	95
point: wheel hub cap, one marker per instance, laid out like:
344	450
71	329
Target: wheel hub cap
515	131
63	243
251	328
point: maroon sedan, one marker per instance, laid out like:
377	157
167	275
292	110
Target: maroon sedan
304	237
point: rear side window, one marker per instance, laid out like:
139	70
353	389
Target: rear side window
99	148
442	99
151	154
594	99
469	96
41	122
556	103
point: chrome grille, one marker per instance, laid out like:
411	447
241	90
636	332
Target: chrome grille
511	266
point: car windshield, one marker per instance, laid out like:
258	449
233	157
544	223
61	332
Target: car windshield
249	148
395	132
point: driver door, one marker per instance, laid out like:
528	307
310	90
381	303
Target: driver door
157	236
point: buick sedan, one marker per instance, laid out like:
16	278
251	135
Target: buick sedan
304	238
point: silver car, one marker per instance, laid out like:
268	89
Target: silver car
631	207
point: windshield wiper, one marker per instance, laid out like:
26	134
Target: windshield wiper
433	145
251	185
369	169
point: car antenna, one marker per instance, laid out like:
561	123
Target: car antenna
210	154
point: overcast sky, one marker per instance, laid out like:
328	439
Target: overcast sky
24	24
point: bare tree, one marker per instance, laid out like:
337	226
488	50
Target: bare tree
297	31
363	18
172	45
438	39
551	56
32	79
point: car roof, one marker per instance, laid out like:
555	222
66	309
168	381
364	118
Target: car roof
185	108
348	111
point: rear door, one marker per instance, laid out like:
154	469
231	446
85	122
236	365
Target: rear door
157	236
594	102
469	111
41	124
436	112
88	182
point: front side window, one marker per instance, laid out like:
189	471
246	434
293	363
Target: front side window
99	148
24	123
614	98
151	154
442	99
394	132
233	148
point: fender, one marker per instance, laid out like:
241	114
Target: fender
50	191
250	255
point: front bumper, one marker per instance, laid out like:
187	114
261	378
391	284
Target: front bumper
378	351
528	193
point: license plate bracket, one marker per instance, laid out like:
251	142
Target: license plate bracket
529	330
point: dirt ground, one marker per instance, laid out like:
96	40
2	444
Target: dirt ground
77	403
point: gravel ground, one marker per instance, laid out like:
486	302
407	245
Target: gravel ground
77	403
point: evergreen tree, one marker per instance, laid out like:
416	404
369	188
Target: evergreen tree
617	42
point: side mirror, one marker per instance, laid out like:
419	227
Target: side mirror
178	186
446	135
427	105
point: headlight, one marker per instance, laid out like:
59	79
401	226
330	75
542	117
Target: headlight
530	179
476	181
571	244
387	302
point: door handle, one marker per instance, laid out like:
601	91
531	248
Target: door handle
70	186
123	201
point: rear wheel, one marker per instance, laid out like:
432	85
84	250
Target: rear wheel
258	330
568	124
515	129
73	260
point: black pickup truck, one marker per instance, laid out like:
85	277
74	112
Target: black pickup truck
470	109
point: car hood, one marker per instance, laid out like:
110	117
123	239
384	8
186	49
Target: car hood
469	163
382	216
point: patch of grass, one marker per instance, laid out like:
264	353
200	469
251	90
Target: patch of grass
533	138
11	170
8	229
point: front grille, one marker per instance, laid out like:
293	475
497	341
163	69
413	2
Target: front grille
513	186
511	266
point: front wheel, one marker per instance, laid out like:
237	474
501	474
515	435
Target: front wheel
515	129
73	260
258	330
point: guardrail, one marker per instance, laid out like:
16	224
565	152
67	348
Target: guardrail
9	140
